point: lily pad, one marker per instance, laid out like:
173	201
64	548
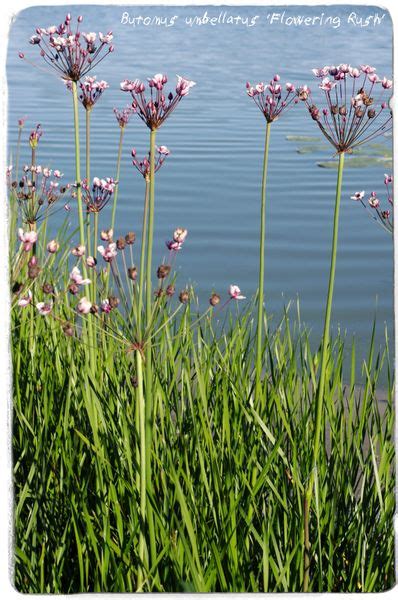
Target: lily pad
302	138
311	149
358	162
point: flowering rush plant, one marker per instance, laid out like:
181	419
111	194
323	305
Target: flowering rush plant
382	216
91	90
99	195
157	108
144	166
38	191
272	99
72	53
356	108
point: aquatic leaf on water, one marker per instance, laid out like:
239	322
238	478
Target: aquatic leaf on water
302	138
357	162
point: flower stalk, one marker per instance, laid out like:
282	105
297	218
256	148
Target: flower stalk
260	311
322	378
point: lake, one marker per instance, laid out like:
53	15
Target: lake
211	182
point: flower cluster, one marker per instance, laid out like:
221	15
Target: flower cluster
144	165
179	237
123	116
352	116
271	99
91	90
28	239
382	216
38	191
155	110
71	53
109	252
99	195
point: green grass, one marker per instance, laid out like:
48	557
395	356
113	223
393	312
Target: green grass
228	474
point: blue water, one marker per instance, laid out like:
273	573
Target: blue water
211	182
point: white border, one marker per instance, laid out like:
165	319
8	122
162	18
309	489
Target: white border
9	8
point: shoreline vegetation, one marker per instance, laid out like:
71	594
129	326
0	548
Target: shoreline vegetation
153	449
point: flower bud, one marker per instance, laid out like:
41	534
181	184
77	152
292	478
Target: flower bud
170	290
91	261
214	299
52	247
48	288
183	296
163	271
121	243
113	301
132	273
130	237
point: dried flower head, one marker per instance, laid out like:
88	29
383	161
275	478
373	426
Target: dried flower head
184	296
352	115
272	99
214	299
130	238
163	271
153	111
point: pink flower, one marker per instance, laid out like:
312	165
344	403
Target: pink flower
184	85
77	278
174	246
83	306
373	200
78	250
358	195
235	293
28	238
373	78
386	83
105	306
163	150
52	246
25	300
108	253
321	72
107	235
44	308
91	261
354	72
180	235
387	178
367	69
327	85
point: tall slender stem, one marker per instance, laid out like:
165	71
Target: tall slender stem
88	178
260	308
150	224
119	157
77	163
322	376
149	417
141	411
143	251
18	153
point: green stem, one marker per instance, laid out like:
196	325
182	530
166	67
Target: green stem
260	313
77	164
150	224
142	259
141	410
119	157
322	377
88	123
149	418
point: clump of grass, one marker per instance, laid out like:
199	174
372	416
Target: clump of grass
228	474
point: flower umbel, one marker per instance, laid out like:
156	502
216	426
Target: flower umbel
271	99
91	90
352	115
383	217
154	110
99	195
38	192
73	54
144	165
